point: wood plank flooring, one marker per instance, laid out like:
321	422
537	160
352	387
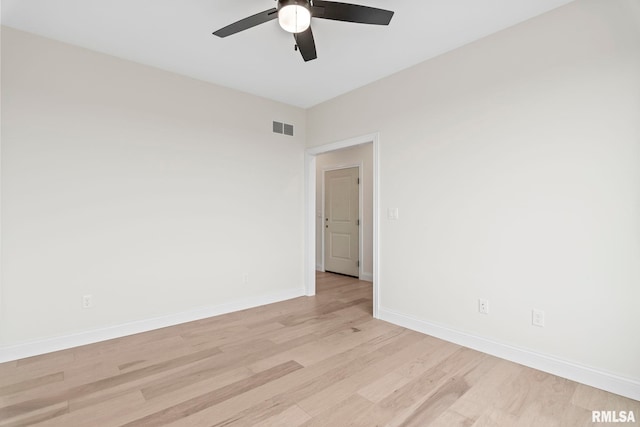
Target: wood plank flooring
310	361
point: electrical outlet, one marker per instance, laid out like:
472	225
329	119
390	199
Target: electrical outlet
483	306
87	301
245	278
537	317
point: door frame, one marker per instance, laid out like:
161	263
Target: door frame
310	211
359	165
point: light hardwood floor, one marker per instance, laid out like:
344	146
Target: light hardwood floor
310	361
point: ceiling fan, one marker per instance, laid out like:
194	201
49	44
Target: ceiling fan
295	16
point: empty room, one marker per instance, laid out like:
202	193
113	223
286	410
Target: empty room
318	213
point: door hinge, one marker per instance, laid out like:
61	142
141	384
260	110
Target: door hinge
358	222
358	180
358	263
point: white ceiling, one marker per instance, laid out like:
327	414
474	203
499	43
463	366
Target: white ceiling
175	35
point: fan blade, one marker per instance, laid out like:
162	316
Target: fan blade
350	13
306	44
246	23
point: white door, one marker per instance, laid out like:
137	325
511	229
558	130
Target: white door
341	222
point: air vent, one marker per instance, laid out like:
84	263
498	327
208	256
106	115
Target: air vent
283	128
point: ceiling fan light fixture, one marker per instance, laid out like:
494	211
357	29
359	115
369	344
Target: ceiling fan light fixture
294	18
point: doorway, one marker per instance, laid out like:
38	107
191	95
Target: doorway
314	213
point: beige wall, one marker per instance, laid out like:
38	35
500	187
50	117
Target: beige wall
515	165
152	192
358	155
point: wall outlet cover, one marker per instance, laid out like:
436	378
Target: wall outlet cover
87	301
483	306
537	317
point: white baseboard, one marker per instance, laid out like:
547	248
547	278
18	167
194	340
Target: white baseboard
583	374
368	277
34	348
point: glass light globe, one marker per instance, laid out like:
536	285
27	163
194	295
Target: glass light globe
294	18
